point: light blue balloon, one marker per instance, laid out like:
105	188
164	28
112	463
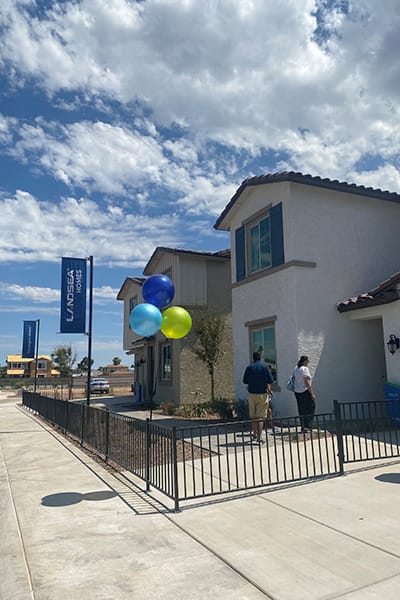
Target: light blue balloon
145	319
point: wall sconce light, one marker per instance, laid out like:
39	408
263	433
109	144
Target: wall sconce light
393	344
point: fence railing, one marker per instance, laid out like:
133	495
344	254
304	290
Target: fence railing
369	430
208	459
222	457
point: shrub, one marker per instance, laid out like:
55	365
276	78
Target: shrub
221	407
168	408
242	410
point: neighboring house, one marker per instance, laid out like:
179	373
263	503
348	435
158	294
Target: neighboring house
168	368
300	245
115	370
25	367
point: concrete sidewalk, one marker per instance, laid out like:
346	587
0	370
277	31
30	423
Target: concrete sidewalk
70	528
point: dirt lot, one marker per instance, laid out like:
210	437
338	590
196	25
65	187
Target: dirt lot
61	392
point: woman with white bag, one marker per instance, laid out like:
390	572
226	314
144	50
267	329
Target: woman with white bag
304	393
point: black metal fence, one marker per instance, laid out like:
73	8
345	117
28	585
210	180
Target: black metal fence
368	430
207	459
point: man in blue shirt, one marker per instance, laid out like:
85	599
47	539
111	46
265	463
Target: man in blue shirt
258	379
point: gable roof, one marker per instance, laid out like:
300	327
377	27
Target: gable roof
295	177
384	293
137	280
220	254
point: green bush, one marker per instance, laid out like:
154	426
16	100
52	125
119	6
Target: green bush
242	410
184	410
221	407
199	410
168	408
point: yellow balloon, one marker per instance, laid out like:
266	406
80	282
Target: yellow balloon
176	322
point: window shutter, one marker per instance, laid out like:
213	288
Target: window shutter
240	252
275	214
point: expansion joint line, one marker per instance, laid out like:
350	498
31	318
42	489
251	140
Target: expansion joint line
335	529
21	540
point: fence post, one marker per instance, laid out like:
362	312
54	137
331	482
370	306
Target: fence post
107	433
148	454
175	470
82	421
339	435
66	416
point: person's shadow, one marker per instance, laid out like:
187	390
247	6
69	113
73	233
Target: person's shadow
67	498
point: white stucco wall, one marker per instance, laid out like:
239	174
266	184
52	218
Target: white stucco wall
389	315
353	241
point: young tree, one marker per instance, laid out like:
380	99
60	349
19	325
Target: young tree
64	359
209	329
116	361
83	365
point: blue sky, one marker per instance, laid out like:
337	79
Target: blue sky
128	125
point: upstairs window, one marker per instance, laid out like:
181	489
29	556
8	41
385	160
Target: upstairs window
260	245
133	302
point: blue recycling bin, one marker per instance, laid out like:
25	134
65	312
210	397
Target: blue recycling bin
138	389
392	397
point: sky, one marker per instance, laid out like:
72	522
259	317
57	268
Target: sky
127	125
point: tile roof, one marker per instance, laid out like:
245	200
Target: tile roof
384	293
294	177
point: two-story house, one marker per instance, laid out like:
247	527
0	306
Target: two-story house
18	367
168	369
301	246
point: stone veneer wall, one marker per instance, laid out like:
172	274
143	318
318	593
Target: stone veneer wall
195	385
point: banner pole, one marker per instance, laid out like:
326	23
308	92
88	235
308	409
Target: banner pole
36	355
90	259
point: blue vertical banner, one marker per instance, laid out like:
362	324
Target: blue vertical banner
28	340
73	295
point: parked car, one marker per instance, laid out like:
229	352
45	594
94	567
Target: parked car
99	385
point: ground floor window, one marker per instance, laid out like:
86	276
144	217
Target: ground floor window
166	362
262	339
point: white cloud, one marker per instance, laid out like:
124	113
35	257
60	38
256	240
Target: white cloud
46	295
239	67
31	293
33	230
250	75
117	161
6	129
312	81
386	177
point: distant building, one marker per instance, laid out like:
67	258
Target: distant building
18	367
115	370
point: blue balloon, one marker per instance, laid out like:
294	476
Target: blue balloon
145	319
158	290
